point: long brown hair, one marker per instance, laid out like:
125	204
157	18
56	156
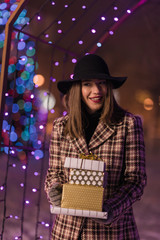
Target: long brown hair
111	111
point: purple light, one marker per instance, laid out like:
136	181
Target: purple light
53	3
13	165
56	63
59	22
50	42
80	42
24	167
45	94
1	188
32	96
83	7
52	110
31	115
93	30
53	79
74	60
116	19
128	11
115	8
111	32
66	5
41	127
6	94
47	225
73	19
39	142
22	184
6	114
59	31
46	35
36	173
64	113
103	18
71	76
27	202
16	217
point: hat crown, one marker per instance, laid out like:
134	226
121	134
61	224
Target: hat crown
90	65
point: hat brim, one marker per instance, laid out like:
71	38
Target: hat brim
65	85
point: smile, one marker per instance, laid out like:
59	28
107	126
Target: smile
96	99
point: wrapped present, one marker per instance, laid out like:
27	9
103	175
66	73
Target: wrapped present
83	194
78	212
82	197
86	177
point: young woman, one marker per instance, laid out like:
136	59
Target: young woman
95	123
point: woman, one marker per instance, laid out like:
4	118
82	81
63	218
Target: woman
95	123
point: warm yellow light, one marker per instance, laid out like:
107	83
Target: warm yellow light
148	104
38	79
141	95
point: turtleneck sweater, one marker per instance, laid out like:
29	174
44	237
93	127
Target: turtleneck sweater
91	123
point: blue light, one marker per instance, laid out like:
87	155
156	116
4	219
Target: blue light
4	125
20	89
23	60
21	45
28	106
15	108
3	6
13	7
13	137
38	154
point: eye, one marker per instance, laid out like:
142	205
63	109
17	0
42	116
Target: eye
103	82
86	84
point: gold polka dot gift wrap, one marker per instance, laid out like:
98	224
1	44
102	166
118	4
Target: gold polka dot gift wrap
82	197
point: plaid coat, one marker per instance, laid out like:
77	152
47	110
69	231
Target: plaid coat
121	147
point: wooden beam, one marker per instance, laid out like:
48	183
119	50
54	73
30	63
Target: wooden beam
5	57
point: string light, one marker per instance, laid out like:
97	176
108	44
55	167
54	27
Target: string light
38	17
23	109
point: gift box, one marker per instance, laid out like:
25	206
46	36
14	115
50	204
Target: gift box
82	197
78	212
86	177
83	194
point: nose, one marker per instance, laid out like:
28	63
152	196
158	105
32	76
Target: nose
96	88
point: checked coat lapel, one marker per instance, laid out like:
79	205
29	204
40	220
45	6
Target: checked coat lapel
100	135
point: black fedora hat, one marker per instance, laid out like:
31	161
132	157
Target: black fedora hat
90	66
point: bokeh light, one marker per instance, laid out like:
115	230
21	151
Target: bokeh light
148	104
39	80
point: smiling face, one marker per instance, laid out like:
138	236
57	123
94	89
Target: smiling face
94	92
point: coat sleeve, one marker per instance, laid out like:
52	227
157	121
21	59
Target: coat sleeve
134	179
55	171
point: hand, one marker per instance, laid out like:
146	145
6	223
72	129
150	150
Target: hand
109	218
55	194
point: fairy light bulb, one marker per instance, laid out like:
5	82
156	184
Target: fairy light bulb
93	30
111	32
103	18
38	17
116	19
